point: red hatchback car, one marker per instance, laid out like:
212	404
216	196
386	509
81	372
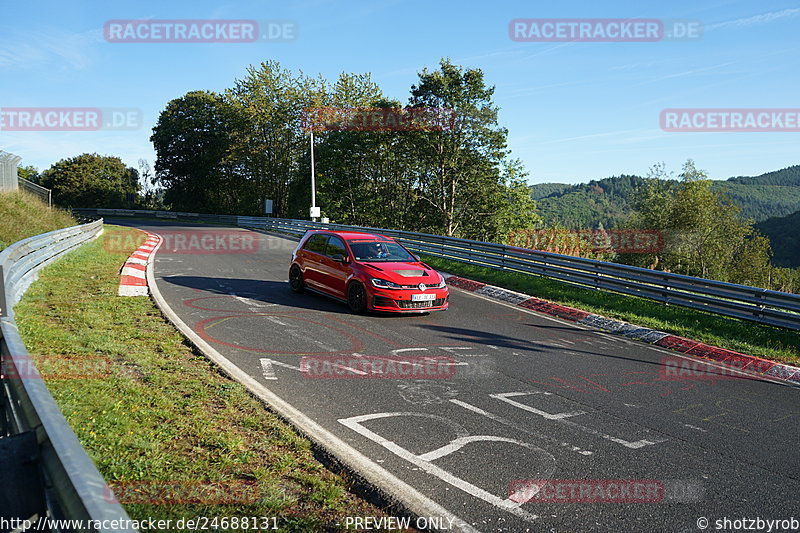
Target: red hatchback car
370	272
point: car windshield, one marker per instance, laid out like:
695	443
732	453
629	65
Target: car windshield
374	251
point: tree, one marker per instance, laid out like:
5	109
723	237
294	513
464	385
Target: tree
195	141
459	168
92	180
273	151
30	173
229	152
703	232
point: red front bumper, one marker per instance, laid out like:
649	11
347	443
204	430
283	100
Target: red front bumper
400	301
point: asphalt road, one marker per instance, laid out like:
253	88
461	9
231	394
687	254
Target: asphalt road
528	397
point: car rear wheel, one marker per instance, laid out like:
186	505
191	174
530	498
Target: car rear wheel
357	297
296	279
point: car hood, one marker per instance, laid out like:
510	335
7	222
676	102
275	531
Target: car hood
402	273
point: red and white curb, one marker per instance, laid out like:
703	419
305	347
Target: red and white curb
133	278
746	363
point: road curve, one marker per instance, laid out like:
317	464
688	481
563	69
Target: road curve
524	398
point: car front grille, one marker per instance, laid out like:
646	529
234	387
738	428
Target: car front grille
408	304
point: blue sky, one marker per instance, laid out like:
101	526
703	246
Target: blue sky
574	111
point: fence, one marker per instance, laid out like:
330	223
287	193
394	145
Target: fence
45	470
8	171
44	194
728	299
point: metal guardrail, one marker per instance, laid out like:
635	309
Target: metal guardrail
43	193
44	469
728	299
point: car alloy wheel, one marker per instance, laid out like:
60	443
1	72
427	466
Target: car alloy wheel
296	279
357	297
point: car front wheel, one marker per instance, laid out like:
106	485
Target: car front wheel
296	279
357	297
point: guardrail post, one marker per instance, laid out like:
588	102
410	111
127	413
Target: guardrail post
761	305
596	278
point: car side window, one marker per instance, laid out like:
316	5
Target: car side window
316	244
335	246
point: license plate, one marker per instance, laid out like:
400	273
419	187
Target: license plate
422	297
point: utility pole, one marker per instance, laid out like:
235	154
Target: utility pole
314	211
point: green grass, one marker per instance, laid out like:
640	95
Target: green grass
23	215
165	413
746	337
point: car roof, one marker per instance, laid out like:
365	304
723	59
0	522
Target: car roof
354	235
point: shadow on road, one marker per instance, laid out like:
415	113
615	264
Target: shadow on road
270	292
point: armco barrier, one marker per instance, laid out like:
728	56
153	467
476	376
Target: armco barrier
44	470
728	299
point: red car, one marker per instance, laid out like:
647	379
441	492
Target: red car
370	272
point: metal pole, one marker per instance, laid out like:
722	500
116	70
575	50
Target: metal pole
313	184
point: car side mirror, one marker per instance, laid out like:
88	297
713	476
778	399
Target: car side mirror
339	258
415	256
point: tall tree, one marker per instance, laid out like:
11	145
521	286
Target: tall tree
272	100
459	168
195	140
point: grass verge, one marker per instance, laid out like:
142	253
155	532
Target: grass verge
754	339
23	215
173	436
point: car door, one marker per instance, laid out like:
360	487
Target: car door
335	273
314	261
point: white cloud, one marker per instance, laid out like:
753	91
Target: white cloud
764	18
52	48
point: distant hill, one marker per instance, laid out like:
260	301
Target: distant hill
760	202
784	236
543	190
608	201
789	176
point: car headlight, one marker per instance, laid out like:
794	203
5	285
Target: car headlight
384	284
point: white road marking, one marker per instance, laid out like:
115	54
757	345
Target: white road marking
416	363
462	439
267	370
695	427
562	419
402	350
277	321
500	419
459	350
353	370
543	414
251	302
280	363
